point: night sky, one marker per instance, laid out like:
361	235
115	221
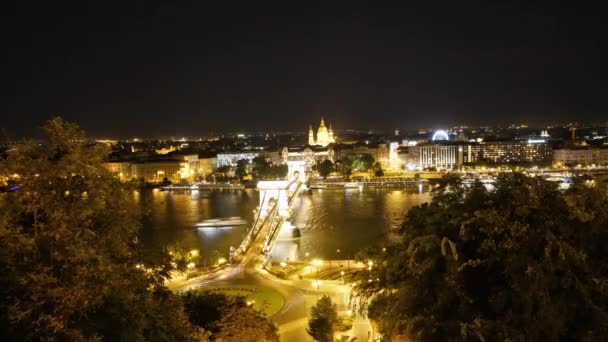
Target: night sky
184	68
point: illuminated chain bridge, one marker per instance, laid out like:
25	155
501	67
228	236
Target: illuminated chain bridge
272	215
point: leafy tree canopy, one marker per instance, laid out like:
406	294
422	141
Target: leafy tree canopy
68	253
523	262
263	169
324	168
242	168
324	321
228	318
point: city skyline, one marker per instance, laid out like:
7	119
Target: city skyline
324	171
178	69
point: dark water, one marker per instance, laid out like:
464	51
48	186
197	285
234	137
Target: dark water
330	220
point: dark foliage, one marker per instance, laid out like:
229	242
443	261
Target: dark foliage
524	262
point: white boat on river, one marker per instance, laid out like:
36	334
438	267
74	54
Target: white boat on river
221	223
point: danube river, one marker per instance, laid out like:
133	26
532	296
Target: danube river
334	223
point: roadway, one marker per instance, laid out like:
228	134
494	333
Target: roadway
298	295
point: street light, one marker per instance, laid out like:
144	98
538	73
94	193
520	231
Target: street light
317	284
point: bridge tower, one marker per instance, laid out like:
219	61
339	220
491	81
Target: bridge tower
297	170
271	191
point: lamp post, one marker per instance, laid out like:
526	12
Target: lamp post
317	284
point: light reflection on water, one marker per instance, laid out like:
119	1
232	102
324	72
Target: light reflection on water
348	220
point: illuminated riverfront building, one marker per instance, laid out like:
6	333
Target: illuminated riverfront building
580	155
508	152
121	170
449	155
308	156
439	156
176	169
207	165
325	136
231	158
157	171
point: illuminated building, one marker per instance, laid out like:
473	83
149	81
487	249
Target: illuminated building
394	163
157	171
580	155
121	170
207	165
508	152
231	158
439	156
309	156
176	169
448	155
325	136
166	150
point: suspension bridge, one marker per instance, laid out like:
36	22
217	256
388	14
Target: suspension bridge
272	215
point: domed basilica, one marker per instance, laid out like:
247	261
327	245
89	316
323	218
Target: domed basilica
325	136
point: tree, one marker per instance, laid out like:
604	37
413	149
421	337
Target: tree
521	262
324	168
222	174
363	162
182	257
323	320
280	171
70	263
262	169
242	169
227	318
345	167
247	325
377	168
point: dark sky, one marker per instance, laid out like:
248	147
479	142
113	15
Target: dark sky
177	67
